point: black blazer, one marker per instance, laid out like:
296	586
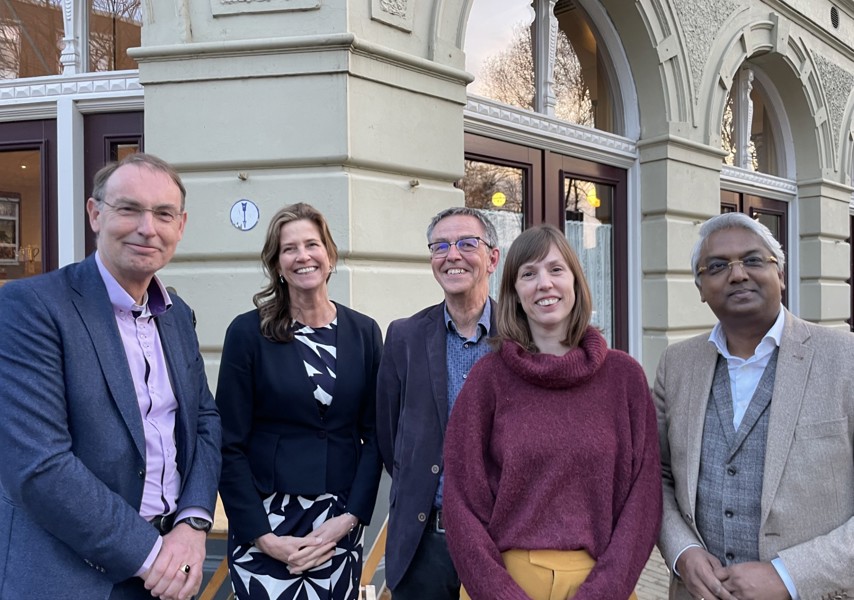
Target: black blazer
273	437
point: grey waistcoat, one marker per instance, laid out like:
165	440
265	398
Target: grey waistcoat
732	463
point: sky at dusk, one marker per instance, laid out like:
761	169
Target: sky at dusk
490	26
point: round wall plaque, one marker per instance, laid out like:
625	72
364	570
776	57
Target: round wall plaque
244	214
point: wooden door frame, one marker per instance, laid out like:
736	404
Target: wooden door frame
41	136
751	204
617	178
545	203
102	134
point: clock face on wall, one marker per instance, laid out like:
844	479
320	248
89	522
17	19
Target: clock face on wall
244	214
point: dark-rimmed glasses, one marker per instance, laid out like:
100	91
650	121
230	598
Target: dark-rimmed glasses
716	267
135	211
465	245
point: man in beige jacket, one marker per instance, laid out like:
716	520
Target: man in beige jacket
756	423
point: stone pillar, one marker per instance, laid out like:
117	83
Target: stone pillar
824	252
328	102
680	189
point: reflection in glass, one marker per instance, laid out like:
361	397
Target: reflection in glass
498	45
582	84
119	152
500	54
772	222
21	243
114	26
747	110
499	192
31	33
589	230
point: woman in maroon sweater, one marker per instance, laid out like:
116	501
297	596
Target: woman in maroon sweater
552	476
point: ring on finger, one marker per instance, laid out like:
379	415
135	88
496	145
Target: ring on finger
185	569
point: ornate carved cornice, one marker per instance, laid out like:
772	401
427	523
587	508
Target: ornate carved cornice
546	128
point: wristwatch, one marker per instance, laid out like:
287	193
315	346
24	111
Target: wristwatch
197	523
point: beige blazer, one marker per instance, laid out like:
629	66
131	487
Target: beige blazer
808	484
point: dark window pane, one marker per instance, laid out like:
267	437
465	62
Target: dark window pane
21	241
589	230
499	192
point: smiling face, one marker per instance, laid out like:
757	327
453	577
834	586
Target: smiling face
546	291
737	294
134	246
303	259
463	274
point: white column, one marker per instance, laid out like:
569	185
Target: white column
544	47
743	117
69	182
75	54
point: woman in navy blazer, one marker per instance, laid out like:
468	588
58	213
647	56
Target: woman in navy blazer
296	394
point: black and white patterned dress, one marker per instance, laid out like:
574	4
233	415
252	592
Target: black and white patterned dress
257	576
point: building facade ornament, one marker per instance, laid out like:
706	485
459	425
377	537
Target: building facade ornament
396	13
701	22
394	7
837	84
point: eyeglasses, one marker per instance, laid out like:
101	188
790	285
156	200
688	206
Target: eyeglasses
135	212
750	263
465	245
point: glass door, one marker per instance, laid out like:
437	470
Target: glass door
519	186
771	213
27	199
108	137
501	181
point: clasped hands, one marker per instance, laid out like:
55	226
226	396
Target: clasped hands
707	579
304	553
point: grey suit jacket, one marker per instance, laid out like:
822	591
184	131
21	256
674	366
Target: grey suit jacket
412	414
73	458
807	499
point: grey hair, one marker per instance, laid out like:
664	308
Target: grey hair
729	221
489	233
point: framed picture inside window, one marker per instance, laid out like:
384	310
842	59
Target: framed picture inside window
10	227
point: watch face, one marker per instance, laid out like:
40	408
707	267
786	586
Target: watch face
244	214
198	524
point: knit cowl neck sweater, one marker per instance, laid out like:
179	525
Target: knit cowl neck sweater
548	452
557	372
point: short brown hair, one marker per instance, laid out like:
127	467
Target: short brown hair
141	159
273	301
532	245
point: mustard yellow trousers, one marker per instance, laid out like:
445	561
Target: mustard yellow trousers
547	574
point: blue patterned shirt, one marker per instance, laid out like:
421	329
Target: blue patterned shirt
461	353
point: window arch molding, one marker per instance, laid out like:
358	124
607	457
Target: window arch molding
783	140
786	65
623	83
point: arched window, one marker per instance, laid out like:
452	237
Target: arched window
544	83
754	135
510	53
747	131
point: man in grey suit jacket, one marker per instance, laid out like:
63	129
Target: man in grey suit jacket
425	361
109	433
756	424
